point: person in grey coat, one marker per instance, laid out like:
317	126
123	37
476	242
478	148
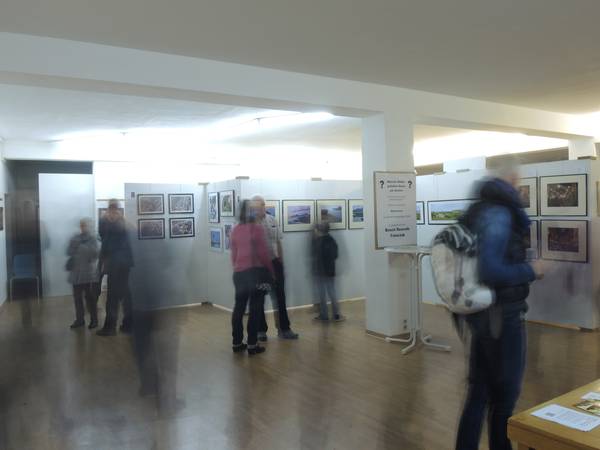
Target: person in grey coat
82	265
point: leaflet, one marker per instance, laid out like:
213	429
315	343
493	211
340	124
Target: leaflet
567	417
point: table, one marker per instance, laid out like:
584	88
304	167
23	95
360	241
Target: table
530	432
415	314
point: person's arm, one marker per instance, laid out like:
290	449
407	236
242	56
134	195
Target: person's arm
72	248
262	249
494	234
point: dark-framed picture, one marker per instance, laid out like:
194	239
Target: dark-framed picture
332	212
420	213
151	229
532	246
273	208
181	203
213	207
150	204
564	240
444	212
528	191
227	229
227	203
563	195
181	227
356	214
298	215
216	241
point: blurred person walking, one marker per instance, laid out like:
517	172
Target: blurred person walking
324	254
252	269
116	260
498	335
277	293
83	274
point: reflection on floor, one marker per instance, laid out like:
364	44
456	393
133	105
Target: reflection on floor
335	388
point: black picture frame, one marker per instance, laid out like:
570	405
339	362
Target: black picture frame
175	219
142	221
445	222
222	195
190	211
154	212
423	213
216	217
543	210
546	253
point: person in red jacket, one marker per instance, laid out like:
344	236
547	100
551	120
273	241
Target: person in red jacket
252	265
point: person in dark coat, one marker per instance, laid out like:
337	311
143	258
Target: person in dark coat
116	260
83	274
324	254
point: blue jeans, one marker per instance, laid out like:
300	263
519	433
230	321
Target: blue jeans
326	288
496	367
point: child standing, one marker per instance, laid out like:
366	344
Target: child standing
324	254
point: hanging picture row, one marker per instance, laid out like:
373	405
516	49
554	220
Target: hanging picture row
153	204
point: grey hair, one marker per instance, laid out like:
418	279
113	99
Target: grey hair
507	167
257	198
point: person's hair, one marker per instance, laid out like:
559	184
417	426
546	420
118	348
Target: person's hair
257	198
245	208
86	221
113	203
507	167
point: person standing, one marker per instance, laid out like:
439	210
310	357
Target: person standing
324	254
251	268
82	266
277	293
498	335
116	260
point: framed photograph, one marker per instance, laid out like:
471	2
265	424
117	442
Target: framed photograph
273	208
213	207
420	213
151	229
333	212
528	191
181	227
564	240
216	241
532	246
150	204
227	203
444	212
227	228
181	203
563	195
298	215
356	215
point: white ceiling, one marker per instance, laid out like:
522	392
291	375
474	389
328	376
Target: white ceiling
538	53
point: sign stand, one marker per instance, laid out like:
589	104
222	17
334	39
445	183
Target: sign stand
415	314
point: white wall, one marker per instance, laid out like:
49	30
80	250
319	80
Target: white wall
4	186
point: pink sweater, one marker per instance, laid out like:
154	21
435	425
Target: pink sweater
249	248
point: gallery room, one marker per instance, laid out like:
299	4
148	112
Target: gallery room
225	227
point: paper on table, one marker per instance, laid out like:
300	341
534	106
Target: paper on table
567	417
591	396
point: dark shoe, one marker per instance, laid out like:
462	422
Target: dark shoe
262	336
338	318
77	324
287	334
93	324
239	348
321	319
256	350
106	332
125	329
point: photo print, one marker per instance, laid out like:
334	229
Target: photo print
216	244
151	229
420	213
528	191
181	203
356	218
181	227
213	207
298	215
150	204
564	240
564	195
273	208
333	212
443	212
227	229
227	203
531	241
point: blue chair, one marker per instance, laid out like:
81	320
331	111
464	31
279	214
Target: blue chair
23	268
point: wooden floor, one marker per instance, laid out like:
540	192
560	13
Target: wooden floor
335	388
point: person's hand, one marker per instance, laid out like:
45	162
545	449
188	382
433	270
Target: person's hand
538	267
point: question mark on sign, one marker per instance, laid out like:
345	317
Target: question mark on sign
410	183
381	182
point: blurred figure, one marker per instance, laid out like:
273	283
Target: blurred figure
277	293
324	254
116	260
252	268
498	335
83	274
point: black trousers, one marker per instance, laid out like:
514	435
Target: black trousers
245	291
87	290
118	291
282	319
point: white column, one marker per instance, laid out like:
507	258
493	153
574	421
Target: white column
581	148
387	143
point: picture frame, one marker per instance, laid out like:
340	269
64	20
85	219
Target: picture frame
445	212
563	195
532	245
564	240
215	235
528	191
332	211
181	203
273	208
356	214
213	207
227	203
420	213
149	204
151	229
181	227
227	229
298	215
